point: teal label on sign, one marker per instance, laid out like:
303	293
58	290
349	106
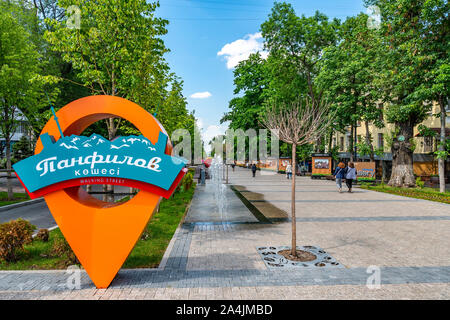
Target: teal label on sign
79	157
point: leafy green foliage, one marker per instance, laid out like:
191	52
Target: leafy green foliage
424	131
347	74
251	78
403	62
445	153
24	67
363	148
22	149
187	182
335	153
420	184
118	51
299	41
20	78
13	236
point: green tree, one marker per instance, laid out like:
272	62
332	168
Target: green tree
297	43
37	113
346	76
402	67
251	78
436	39
20	81
22	149
301	41
115	49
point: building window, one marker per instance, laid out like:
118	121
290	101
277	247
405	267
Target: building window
428	144
381	107
22	127
381	141
341	147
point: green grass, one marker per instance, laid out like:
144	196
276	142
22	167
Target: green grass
417	193
18	197
146	254
366	179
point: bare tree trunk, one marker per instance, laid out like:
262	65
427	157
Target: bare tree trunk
441	161
352	158
369	142
293	217
330	142
385	169
402	158
105	193
109	189
8	168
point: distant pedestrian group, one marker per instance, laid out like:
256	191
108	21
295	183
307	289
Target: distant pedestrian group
348	173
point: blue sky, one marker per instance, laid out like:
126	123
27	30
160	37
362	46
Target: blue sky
208	37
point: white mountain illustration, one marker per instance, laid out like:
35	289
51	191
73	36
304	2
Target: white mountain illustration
68	147
77	142
122	146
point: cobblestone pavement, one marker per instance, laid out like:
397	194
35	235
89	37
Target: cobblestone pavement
404	241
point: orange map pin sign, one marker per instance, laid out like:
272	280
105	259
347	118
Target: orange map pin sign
101	234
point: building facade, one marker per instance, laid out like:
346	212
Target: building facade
22	129
425	164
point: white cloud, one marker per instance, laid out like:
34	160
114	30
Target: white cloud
241	49
201	95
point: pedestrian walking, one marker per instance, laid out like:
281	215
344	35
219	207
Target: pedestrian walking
339	173
303	170
202	174
289	171
254	170
350	176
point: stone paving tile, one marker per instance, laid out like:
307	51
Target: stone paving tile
166	282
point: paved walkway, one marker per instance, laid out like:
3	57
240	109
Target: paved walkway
204	208
403	240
